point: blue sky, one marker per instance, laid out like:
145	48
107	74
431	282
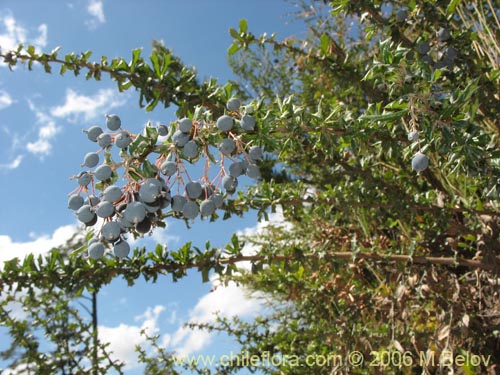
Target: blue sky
42	144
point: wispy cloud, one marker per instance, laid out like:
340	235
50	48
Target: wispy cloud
13	164
123	338
77	105
225	300
5	99
95	9
12	34
10	249
42	146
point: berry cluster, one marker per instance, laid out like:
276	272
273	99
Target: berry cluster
154	190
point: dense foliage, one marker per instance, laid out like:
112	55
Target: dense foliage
377	259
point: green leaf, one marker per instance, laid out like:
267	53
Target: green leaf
386	117
452	6
324	43
234	33
243	25
233	48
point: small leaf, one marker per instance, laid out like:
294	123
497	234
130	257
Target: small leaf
243	25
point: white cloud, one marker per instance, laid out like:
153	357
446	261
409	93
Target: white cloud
95	9
124	338
10	249
42	145
13	34
77	105
15	163
5	99
226	300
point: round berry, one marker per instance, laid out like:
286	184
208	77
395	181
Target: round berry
443	34
93	200
253	171
144	226
233	104
113	122
104	140
103	172
180	138
90	160
121	249
162	130
420	162
122	140
96	250
190	150
225	123
218	200
75	202
230	184
93	133
193	189
413	136
112	193
190	210
150	190
247	123
105	209
185	125
227	146
168	168
85	214
236	169
255	153
178	201
207	207
111	231
135	212
84	178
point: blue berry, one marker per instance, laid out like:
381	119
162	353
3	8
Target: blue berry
185	125
207	207
247	123
168	168
113	122
111	231
122	140
227	146
85	214
233	104
84	178
75	202
255	153
190	210
90	160
135	212
162	130
104	140
93	133
413	136
112	193
105	209
225	123
121	249
190	150
230	184
253	171
103	172
420	162
178	201
180	138
96	250
193	189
